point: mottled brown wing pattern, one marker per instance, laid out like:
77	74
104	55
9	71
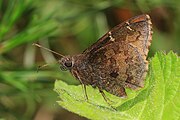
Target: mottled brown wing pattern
121	31
118	59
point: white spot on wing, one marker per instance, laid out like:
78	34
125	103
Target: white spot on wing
110	36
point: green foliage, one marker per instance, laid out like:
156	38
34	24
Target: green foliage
17	15
158	100
68	27
17	7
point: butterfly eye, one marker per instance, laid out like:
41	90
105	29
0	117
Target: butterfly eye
68	64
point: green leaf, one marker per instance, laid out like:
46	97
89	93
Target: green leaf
29	35
158	100
14	11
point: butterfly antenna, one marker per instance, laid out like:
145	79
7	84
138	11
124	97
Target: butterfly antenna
37	45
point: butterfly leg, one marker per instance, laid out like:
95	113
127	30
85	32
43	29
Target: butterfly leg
104	96
39	67
106	99
82	84
85	92
84	88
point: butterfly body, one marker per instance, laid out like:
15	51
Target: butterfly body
117	60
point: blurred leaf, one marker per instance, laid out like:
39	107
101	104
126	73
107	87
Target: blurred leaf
43	29
158	100
14	11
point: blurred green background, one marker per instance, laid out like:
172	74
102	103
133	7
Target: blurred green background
68	27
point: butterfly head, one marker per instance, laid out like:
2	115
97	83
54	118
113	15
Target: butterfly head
66	62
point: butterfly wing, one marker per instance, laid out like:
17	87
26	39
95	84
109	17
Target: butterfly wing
118	59
140	24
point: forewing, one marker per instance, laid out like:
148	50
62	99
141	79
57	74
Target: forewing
140	24
119	57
